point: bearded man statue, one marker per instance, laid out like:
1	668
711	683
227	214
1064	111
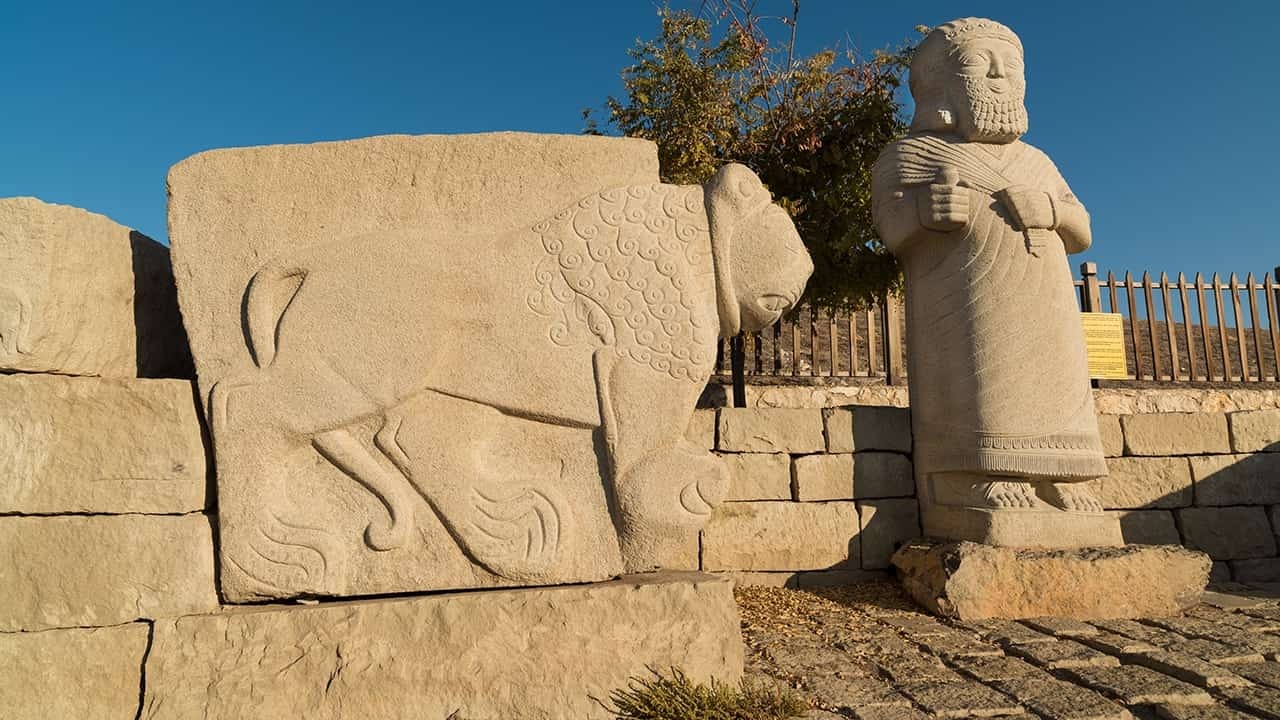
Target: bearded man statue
1002	410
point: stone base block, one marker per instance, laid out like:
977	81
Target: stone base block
528	653
969	581
1048	529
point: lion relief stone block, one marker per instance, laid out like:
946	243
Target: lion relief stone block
463	361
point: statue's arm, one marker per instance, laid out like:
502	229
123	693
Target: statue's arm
1071	218
897	218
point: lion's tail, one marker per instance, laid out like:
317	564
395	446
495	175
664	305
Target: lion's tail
270	293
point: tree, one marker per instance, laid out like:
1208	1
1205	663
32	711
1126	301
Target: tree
810	127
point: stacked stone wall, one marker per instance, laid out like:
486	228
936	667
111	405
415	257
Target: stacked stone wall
824	495
817	496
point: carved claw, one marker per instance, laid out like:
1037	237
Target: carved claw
1007	495
1072	497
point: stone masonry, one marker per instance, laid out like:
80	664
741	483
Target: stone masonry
1209	481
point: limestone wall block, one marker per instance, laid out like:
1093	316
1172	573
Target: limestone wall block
1144	482
882	474
766	536
886	525
1237	479
702	428
1175	434
758	476
83	295
1227	533
1112	435
537	652
868	427
1148	527
1258	570
1255	431
99	445
822	477
88	571
771	430
82	673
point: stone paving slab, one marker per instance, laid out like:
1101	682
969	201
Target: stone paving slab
1049	697
864	651
1189	669
1062	655
960	699
1136	685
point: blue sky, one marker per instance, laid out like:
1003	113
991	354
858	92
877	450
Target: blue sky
1163	116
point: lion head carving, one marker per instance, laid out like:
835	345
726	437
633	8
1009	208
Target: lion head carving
761	265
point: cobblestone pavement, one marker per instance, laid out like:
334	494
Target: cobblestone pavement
866	652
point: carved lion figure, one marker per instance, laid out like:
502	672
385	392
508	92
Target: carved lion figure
604	316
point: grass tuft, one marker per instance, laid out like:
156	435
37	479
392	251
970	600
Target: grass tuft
676	697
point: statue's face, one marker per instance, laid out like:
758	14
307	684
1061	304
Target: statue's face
770	267
991	78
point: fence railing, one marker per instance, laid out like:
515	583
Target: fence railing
1180	330
1176	330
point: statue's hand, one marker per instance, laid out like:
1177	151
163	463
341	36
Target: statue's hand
943	206
1029	207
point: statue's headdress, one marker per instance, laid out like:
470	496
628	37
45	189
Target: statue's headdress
928	75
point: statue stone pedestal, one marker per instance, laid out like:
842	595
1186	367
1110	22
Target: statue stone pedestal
968	581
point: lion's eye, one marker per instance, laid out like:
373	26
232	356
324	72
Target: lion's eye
773	303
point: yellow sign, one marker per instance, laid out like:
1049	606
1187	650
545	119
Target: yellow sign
1104	337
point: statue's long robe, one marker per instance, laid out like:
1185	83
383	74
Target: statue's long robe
997	365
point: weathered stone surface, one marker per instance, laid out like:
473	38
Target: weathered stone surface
1175	434
1112	436
1141	482
1052	698
881	475
782	536
1264	570
702	429
822	477
544	442
87	674
103	570
1135	685
1188	668
533	653
995	668
971	582
963	699
830	578
1062	655
83	295
852	692
1062	627
771	430
1227	533
1148	527
1260	701
857	428
1200	712
1216	652
758	476
1237	479
762	579
98	445
1255	431
1220	573
886	525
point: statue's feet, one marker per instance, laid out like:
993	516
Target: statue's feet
1072	497
1006	495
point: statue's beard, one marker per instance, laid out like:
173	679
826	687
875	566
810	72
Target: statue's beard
994	118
